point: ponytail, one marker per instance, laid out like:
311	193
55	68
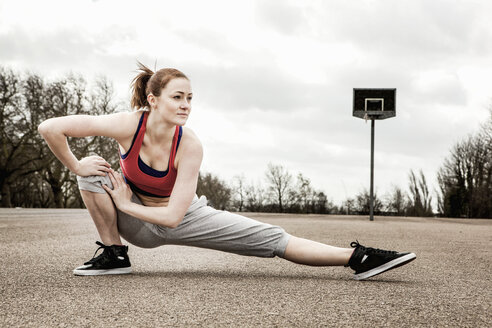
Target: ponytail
139	86
147	82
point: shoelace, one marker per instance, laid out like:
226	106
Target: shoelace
94	258
355	244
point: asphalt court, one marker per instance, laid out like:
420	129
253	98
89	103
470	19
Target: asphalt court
449	284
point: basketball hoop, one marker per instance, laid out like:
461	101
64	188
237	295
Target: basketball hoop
373	104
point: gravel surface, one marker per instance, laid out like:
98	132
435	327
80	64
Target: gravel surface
449	285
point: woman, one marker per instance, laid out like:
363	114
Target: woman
154	202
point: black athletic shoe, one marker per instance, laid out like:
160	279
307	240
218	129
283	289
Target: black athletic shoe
368	262
113	260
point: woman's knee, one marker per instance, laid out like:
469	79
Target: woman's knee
282	240
94	183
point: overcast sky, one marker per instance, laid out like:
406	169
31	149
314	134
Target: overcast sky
273	80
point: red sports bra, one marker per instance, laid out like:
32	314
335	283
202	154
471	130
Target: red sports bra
141	177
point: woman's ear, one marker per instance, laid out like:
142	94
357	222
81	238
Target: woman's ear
151	100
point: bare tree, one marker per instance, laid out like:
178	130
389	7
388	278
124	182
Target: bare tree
216	191
19	155
64	97
420	198
255	198
280	181
348	206
303	198
363	202
320	203
303	194
465	179
239	190
396	201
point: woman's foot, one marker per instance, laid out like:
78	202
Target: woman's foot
368	262
113	260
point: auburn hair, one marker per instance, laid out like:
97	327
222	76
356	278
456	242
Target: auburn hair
147	82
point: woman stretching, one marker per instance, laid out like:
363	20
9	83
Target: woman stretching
154	201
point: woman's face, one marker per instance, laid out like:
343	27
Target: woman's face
174	103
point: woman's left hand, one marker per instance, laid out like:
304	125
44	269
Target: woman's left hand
121	192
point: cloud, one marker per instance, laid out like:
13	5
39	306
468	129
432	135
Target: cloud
438	87
273	80
63	47
285	17
404	28
249	86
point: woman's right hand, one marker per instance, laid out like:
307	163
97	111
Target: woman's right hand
93	165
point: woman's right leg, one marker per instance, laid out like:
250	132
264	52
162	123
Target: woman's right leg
104	215
114	258
111	223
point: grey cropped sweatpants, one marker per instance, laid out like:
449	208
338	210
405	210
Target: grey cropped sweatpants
202	226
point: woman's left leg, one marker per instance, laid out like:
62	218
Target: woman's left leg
209	228
305	251
204	226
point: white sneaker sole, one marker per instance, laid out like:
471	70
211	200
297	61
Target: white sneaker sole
80	272
385	267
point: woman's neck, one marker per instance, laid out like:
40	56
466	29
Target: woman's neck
158	129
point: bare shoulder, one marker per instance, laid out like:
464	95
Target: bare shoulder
128	123
123	121
190	140
129	120
190	149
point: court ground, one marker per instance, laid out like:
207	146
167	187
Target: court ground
449	285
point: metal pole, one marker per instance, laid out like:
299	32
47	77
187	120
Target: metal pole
371	213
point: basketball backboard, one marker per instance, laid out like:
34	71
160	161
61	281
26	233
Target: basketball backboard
377	104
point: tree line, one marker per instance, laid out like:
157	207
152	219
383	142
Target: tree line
280	192
30	175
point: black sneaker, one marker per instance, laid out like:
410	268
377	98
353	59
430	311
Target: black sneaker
113	260
368	262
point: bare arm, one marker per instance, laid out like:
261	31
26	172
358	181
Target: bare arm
56	130
183	192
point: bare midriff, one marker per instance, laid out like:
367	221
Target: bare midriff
153	201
